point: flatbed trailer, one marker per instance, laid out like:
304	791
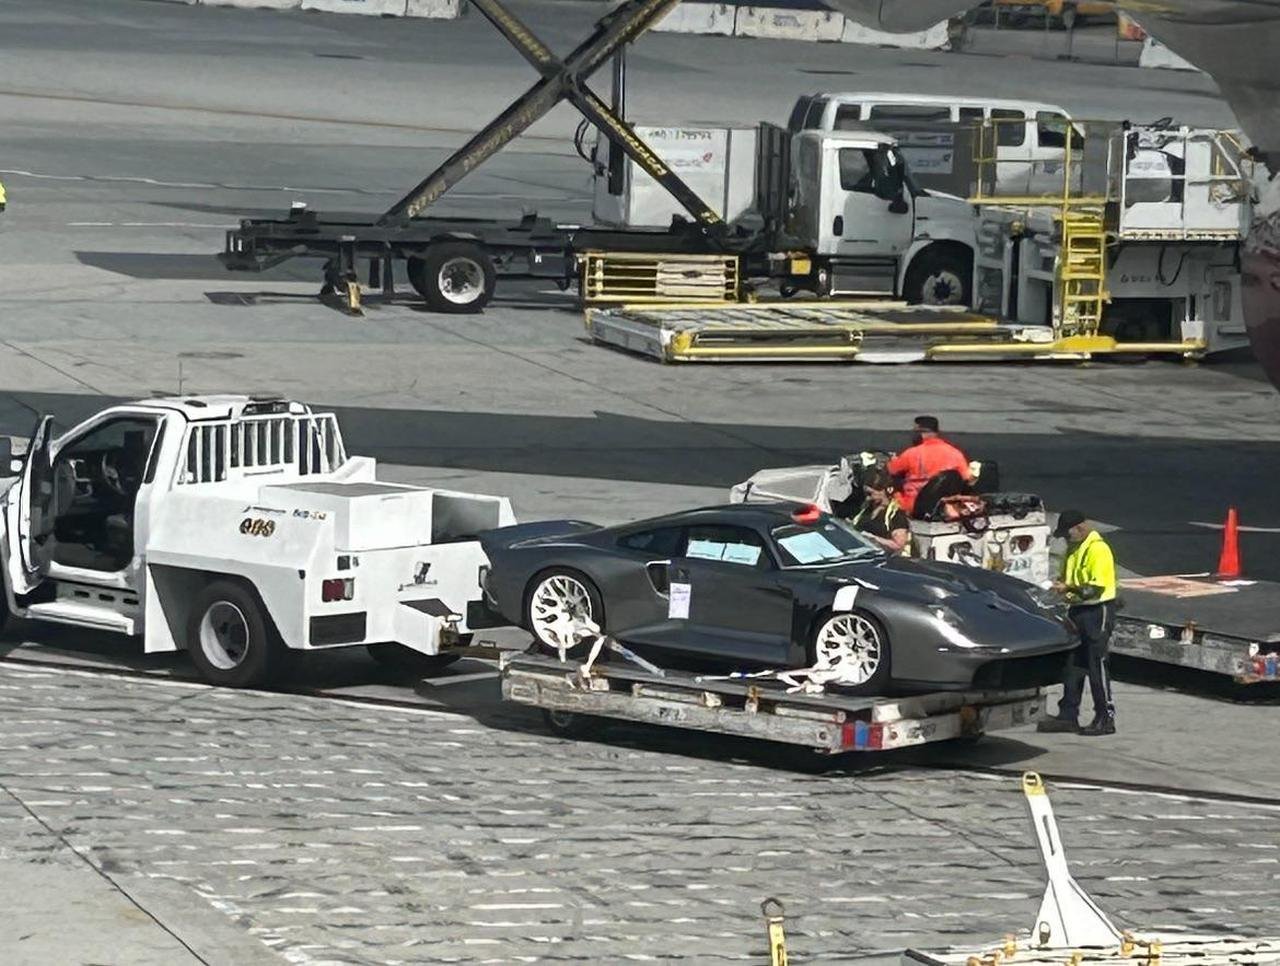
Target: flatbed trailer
1229	627
828	723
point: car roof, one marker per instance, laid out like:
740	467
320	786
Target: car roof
739	514
889	97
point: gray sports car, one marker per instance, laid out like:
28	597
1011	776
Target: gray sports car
771	585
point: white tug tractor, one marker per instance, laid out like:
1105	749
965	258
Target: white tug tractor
237	528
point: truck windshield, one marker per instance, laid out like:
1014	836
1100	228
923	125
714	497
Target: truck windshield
825	543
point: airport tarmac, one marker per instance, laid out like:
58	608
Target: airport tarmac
215	825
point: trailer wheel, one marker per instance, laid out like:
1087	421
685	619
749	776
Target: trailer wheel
454	277
399	658
855	642
568	724
230	639
940	276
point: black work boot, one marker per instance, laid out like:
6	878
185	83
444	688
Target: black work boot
1104	725
1056	725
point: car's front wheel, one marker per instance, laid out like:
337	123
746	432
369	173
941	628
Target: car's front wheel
855	645
562	607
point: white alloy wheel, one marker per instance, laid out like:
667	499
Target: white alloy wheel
942	286
560	612
224	635
851	645
461	280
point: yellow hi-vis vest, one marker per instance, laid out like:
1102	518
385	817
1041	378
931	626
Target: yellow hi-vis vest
1091	564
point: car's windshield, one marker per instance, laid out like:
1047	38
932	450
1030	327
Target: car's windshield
828	541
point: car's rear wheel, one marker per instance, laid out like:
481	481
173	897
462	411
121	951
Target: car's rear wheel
561	607
855	645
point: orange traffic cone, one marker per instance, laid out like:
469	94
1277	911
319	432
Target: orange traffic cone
1229	561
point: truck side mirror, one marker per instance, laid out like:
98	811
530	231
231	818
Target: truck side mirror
899	206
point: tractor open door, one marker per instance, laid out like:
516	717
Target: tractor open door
28	518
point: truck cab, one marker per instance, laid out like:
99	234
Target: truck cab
856	206
236	527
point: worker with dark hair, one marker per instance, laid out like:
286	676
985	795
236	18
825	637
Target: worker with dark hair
1088	583
881	519
928	455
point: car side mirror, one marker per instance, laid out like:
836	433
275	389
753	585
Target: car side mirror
899	206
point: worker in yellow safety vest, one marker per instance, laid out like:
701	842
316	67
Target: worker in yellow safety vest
2	200
1088	583
881	520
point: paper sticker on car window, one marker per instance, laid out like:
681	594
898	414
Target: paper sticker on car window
705	549
741	553
810	547
678	602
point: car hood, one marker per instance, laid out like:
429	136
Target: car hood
931	582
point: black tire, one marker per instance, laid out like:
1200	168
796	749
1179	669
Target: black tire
596	601
881	679
216	657
569	724
463	264
4	603
398	657
940	277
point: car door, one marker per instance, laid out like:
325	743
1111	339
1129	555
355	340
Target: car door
27	517
870	208
739	608
637	598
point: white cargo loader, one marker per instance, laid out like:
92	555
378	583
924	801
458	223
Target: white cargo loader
235	528
1009	533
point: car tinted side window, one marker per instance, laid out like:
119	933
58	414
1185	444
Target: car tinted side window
727	544
848	117
1051	131
660	542
813	119
798	112
1009	133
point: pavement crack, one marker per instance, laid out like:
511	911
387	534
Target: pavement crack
102	873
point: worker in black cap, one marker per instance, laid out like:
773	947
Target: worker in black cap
1088	583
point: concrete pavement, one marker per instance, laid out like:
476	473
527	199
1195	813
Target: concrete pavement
151	821
339	834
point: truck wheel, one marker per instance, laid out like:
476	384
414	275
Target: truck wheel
230	638
402	659
454	277
939	278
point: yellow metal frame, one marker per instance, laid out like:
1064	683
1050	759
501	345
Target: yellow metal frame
637	278
1081	275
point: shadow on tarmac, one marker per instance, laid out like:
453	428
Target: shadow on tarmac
1150	488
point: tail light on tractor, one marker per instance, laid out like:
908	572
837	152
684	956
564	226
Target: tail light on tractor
337	588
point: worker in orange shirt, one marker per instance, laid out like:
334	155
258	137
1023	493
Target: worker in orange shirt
928	455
